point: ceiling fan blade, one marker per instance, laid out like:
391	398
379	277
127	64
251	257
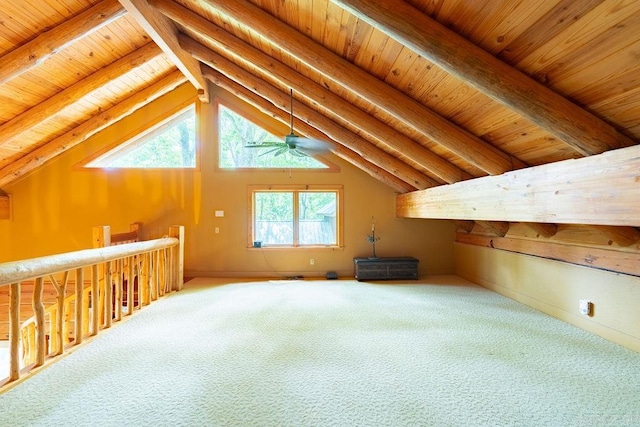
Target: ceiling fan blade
312	145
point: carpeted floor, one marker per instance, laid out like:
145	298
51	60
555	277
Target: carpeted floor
440	352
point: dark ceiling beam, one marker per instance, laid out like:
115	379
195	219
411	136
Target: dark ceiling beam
598	190
165	34
268	108
455	139
337	133
48	108
52	41
82	132
227	45
577	127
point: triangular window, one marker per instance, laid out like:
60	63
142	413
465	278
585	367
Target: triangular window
237	138
170	143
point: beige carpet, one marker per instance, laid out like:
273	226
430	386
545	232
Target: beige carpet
343	353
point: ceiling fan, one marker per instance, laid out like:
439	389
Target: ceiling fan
292	144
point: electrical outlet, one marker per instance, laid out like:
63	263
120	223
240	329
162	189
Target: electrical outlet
312	261
586	307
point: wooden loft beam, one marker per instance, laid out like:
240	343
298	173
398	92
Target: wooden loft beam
226	43
51	106
580	129
623	236
499	228
599	190
49	42
341	151
85	130
165	34
228	71
457	140
542	229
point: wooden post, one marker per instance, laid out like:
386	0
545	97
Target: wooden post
14	332
108	294
78	322
38	310
119	280
177	231
130	280
95	300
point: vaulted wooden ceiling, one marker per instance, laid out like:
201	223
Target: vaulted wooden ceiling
420	94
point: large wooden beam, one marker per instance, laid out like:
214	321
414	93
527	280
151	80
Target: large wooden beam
227	44
95	124
459	141
229	71
583	131
53	105
165	34
49	42
341	151
600	190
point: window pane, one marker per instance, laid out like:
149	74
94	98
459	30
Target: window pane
273	224
169	144
235	133
317	212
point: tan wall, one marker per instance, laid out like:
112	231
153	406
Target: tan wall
556	287
55	208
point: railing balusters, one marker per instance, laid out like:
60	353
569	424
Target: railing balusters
38	309
79	305
145	262
95	304
14	331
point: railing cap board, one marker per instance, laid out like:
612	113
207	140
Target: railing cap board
17	271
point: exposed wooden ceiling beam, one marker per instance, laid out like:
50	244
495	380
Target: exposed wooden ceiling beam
499	228
165	34
49	42
95	124
602	189
583	131
227	44
457	140
51	106
341	151
227	70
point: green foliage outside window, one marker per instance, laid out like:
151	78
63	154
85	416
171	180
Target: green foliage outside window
235	132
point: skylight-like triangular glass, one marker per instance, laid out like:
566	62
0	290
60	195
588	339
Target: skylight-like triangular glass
235	132
169	144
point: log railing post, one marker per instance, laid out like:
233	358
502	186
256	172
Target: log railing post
38	310
79	292
95	300
177	231
14	332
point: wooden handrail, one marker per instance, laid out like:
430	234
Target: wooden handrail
158	265
19	271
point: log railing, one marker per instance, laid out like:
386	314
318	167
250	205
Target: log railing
88	294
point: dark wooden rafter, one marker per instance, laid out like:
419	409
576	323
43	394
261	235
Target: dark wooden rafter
457	140
268	108
336	132
227	44
566	192
53	105
577	127
90	127
51	41
165	34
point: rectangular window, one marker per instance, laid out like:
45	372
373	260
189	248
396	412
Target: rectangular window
295	216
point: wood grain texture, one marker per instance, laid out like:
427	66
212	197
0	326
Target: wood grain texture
599	190
577	127
462	143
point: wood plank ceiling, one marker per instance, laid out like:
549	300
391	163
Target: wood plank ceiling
417	93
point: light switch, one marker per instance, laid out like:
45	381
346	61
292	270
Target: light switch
219	214
217	230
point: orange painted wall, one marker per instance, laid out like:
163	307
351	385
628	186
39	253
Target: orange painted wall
55	207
